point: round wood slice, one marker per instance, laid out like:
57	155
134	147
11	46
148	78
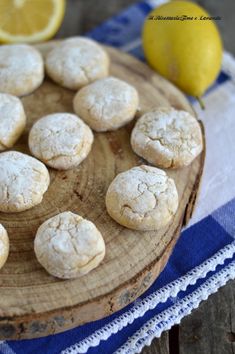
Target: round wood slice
33	303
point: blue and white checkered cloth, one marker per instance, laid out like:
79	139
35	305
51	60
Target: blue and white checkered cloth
204	257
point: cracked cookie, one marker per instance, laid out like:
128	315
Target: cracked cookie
4	246
142	198
12	120
68	246
60	140
23	181
76	62
21	69
167	138
106	104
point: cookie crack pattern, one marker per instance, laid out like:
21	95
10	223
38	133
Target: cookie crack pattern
87	263
167	137
7	194
68	245
142	195
156	196
56	157
23	181
127	206
23	71
85	72
77	62
107	104
162	139
61	140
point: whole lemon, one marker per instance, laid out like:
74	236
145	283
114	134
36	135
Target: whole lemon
186	49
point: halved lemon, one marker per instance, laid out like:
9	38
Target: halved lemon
30	20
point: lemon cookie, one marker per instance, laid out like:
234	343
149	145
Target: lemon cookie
106	104
4	246
12	120
68	246
76	62
60	140
21	69
167	138
142	198
23	181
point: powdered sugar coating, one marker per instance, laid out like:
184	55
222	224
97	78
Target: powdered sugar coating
106	104
167	138
21	69
4	246
60	140
23	181
12	120
76	62
68	246
142	198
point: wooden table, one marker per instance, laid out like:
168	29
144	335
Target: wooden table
211	328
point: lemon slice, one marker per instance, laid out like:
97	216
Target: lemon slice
30	20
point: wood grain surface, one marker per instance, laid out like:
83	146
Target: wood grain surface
33	303
196	337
